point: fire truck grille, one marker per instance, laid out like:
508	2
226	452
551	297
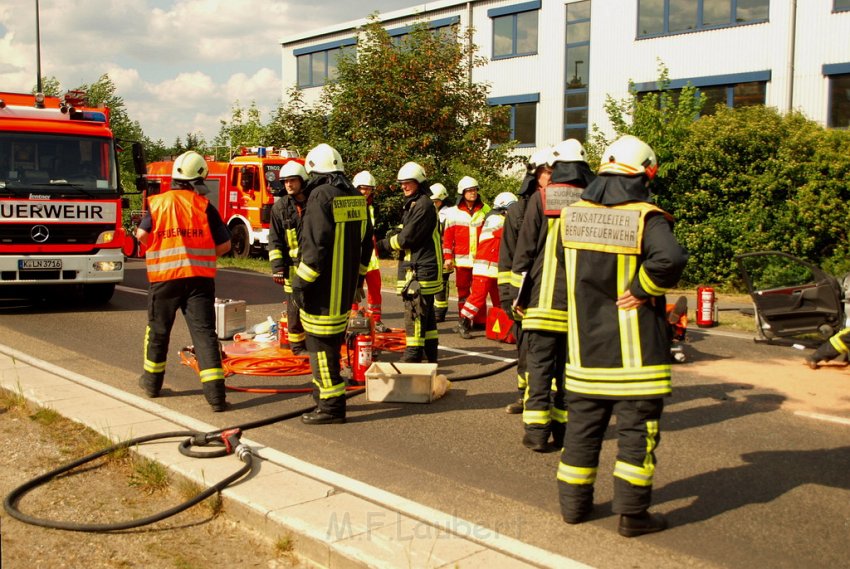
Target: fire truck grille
29	234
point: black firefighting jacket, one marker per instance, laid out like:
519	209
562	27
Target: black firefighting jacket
619	242
284	237
336	245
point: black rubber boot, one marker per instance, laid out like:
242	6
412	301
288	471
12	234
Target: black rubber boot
412	355
321	418
824	353
641	524
215	394
151	383
298	348
440	315
464	327
515	408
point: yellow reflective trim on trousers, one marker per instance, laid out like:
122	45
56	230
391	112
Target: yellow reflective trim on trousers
149	366
636	475
572	318
532	417
337	390
522	381
296	337
651	444
275	254
212	374
441	303
432	334
558	415
838	343
628	319
578	475
338	268
648	285
324	371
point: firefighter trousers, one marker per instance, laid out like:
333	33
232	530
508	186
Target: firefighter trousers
475	307
294	327
544	412
195	297
329	386
441	299
420	329
373	294
638	435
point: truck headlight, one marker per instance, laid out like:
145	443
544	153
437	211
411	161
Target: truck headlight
107	266
106	236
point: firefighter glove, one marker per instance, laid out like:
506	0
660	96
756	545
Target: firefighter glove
384	249
824	353
278	277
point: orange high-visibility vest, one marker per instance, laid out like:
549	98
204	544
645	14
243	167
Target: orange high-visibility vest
182	245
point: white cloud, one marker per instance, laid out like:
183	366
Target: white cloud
179	65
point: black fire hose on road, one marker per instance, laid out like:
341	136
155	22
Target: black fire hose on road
227	438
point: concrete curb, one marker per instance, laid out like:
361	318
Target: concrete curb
333	520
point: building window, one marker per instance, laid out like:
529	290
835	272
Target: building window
741	90
841	5
317	65
839	101
515	29
444	27
523	118
660	17
577	71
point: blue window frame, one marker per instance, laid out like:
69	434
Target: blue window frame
441	26
665	17
515	29
733	90
838	107
576	91
523	117
841	6
317	64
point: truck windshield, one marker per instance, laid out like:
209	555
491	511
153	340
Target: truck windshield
53	163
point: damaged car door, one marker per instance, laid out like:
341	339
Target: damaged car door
791	296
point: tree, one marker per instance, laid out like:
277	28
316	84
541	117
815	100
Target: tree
661	118
393	102
244	129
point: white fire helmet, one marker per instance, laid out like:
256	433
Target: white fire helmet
503	200
569	150
323	159
411	171
439	192
364	178
189	166
293	169
630	156
539	158
467	183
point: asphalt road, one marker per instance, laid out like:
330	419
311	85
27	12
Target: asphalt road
744	480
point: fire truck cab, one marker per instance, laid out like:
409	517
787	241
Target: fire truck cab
60	197
243	190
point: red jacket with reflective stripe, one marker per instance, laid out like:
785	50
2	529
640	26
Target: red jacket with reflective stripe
181	244
460	235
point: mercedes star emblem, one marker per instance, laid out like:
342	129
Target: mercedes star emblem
39	233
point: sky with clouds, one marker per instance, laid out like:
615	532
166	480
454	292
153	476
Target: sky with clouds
179	65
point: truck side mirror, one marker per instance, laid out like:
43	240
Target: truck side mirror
139	162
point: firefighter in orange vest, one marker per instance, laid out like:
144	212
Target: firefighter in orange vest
621	257
184	234
460	239
485	268
284	245
336	245
542	296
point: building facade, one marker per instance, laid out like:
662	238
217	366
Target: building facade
554	62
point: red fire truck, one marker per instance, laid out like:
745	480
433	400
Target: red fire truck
243	190
60	197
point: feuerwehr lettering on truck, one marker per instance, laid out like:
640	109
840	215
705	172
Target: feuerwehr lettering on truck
20	211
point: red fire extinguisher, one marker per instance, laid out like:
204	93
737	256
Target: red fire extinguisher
361	333
706	307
